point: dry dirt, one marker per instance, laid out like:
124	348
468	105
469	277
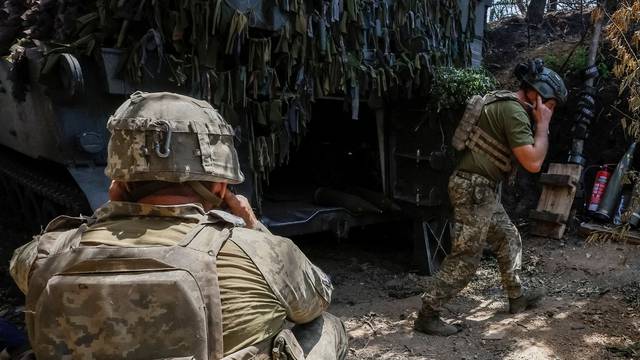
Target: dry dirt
591	311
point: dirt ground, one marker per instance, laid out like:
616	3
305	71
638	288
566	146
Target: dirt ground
591	311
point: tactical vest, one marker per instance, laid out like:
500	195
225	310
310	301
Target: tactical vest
469	135
108	302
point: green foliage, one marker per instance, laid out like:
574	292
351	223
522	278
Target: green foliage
603	69
576	63
451	87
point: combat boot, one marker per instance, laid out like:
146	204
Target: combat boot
526	301
429	322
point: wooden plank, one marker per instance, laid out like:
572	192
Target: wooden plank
556	200
546	229
559	200
557	180
547	216
586	229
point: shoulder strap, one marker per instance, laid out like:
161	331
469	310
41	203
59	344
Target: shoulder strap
469	134
500	95
53	243
469	120
64	222
206	237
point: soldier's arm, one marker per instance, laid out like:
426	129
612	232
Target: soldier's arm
261	227
21	263
532	156
303	289
240	206
310	297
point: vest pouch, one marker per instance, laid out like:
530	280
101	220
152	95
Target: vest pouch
467	122
125	308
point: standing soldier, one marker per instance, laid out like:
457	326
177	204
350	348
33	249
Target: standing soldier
493	128
161	271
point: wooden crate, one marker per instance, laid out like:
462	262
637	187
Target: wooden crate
551	214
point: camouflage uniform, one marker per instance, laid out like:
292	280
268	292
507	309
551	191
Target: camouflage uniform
479	216
473	192
301	289
141	281
489	130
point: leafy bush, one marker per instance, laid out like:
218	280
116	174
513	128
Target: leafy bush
451	87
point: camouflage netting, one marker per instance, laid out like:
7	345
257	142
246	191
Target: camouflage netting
261	63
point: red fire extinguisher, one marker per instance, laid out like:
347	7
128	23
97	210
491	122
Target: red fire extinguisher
599	186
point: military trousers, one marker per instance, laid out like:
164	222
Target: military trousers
324	338
479	217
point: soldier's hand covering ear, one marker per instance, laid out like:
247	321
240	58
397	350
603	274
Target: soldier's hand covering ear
118	191
240	206
541	113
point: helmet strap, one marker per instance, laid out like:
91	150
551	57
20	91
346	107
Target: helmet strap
205	193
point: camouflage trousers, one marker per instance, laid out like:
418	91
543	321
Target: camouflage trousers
324	338
479	218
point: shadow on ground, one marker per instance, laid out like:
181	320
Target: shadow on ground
589	313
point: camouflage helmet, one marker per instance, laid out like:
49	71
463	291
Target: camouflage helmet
543	80
173	138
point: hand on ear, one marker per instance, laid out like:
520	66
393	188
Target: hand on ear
118	191
542	113
240	206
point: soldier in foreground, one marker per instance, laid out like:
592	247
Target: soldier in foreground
161	271
503	129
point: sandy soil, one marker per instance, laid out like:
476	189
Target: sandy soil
591	311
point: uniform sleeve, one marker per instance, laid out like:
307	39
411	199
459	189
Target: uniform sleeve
21	262
262	228
303	288
517	127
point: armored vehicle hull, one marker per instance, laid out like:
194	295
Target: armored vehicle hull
352	65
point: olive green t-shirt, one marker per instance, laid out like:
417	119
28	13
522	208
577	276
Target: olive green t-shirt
507	122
